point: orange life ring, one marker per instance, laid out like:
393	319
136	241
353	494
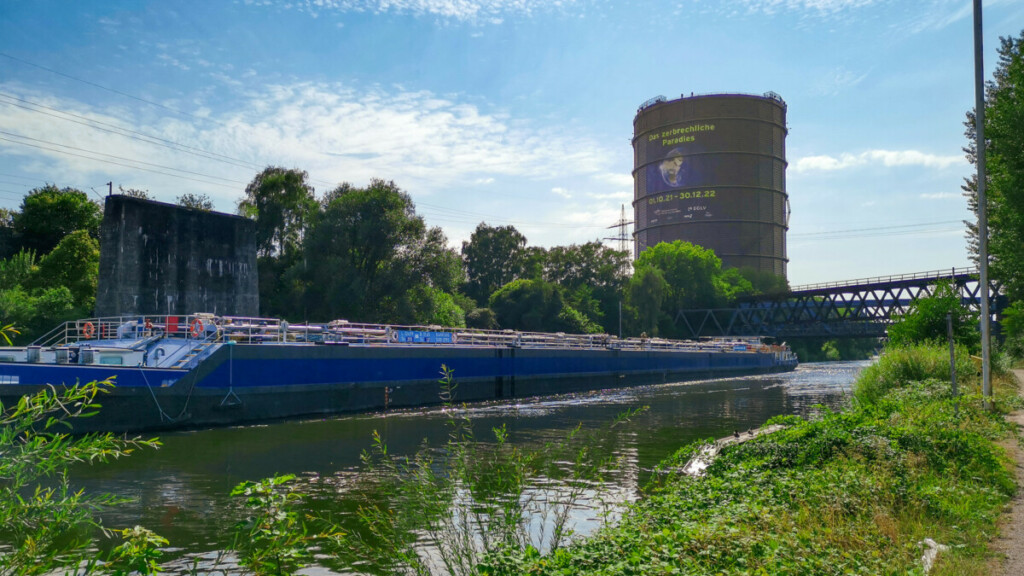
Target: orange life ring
196	328
149	325
88	330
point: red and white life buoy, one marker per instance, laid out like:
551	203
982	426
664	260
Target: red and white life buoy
88	330
196	328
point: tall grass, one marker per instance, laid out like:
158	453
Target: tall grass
911	363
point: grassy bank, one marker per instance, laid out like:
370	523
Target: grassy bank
853	492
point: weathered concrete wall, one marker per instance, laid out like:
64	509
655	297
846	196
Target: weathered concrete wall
158	258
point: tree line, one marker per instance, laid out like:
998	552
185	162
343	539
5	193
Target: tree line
363	254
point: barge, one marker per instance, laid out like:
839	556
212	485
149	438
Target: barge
201	370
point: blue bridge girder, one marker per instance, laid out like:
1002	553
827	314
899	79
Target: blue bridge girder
848	309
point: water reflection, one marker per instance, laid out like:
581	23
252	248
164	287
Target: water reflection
181	491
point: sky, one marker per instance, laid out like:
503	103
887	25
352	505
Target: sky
509	112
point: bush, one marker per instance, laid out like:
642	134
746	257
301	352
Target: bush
482	318
913	363
926	320
45	524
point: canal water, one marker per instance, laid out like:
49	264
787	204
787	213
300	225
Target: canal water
181	491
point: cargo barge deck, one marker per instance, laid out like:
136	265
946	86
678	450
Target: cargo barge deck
203	370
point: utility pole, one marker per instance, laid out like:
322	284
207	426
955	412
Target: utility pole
623	237
979	134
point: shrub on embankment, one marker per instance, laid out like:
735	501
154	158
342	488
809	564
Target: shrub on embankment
853	492
911	363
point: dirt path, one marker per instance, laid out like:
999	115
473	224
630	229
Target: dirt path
1011	542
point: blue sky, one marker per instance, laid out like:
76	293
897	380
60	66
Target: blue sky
506	111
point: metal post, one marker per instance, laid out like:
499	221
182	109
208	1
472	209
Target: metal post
979	134
620	319
952	364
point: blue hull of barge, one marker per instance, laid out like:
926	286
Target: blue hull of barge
257	382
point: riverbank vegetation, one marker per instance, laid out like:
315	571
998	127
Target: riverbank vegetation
855	491
45	523
907	466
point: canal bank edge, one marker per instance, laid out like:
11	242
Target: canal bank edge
1010	543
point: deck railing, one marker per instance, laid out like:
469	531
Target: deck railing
931	274
210	329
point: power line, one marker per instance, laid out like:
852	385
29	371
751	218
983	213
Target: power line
19	177
922	232
520	223
15	183
128	133
117	163
113	90
144	163
874	228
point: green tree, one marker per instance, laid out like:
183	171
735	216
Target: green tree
37	311
368	256
536	305
8	245
594	278
61	286
135	193
690	272
689	277
17	269
483	318
74	263
830	351
1004	157
195	201
495	256
646	295
1013	328
765	282
925	320
281	202
432	306
731	284
48	214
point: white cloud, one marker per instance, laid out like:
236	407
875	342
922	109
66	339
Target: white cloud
887	158
820	6
616	179
943	13
941	195
482	11
838	80
428	144
802	8
561	192
917	16
623	196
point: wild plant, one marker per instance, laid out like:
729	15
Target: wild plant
446	511
45	523
277	537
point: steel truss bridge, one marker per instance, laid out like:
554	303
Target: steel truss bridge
848	309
